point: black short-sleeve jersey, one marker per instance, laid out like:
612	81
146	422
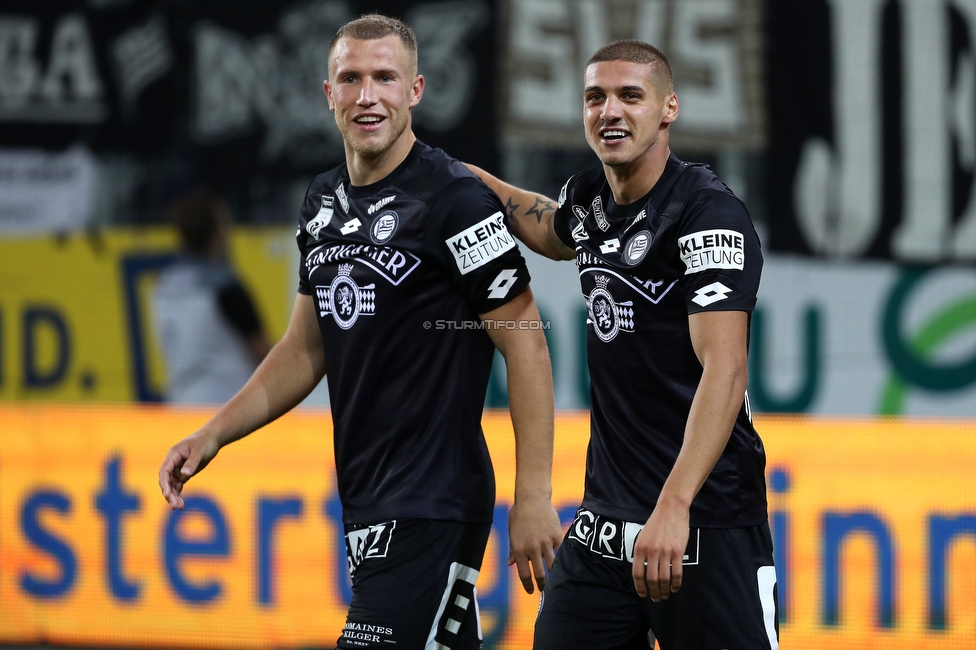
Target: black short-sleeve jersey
399	271
687	246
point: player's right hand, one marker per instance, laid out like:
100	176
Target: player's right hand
185	459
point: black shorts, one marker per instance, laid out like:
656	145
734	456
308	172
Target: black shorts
413	584
727	597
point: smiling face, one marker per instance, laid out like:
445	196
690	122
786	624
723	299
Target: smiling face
372	85
625	115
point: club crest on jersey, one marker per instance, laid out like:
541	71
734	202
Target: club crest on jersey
343	199
368	542
601	219
345	299
636	248
607	316
322	219
384	226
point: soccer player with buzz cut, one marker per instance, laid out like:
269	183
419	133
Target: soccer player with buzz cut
394	243
672	536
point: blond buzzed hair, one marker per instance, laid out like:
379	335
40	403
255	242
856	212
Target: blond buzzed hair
634	51
370	27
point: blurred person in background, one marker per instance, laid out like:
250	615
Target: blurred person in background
210	332
401	248
672	536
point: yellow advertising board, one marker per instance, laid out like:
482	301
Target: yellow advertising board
74	309
875	524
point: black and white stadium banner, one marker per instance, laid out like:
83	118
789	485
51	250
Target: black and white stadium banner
873	129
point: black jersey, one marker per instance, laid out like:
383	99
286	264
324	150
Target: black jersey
688	246
399	271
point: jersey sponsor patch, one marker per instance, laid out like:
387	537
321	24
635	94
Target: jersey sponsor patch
615	539
368	542
343	199
384	227
601	219
322	219
712	249
481	243
379	204
390	263
711	293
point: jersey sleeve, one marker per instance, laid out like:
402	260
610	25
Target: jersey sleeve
720	253
566	219
468	236
310	208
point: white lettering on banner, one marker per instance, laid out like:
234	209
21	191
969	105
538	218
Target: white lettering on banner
838	192
443	31
838	187
248	85
712	249
926	230
550	41
141	55
481	243
240	84
70	90
718	104
41	191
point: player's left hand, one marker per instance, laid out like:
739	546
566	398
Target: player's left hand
534	534
659	550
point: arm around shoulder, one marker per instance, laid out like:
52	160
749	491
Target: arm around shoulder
530	216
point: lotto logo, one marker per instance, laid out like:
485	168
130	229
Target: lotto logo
502	283
711	293
350	226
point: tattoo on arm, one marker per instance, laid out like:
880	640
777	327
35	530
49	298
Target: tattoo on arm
540	208
510	220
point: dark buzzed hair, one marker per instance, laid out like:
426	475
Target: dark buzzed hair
197	216
370	27
634	51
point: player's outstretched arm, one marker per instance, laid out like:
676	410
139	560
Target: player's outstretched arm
529	216
533	524
287	375
719	339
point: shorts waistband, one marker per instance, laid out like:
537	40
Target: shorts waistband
614	539
607	537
